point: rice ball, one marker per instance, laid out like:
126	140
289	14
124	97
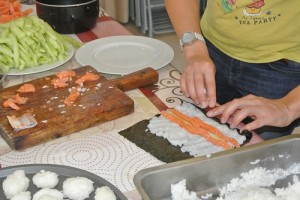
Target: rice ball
15	183
105	193
48	194
47	197
45	179
22	196
77	188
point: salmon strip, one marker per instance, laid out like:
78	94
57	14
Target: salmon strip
193	130
196	126
66	74
10	103
28	87
201	124
72	97
87	77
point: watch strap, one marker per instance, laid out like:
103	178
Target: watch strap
197	36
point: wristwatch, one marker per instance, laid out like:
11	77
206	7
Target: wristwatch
190	38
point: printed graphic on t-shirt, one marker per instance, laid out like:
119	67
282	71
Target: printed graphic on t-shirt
252	9
254	13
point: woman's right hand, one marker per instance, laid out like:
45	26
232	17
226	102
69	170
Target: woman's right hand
198	77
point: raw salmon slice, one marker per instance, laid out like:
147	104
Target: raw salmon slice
10	103
87	77
20	100
66	74
26	88
60	83
72	97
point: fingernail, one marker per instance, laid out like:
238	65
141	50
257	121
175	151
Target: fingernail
196	102
203	104
222	120
209	113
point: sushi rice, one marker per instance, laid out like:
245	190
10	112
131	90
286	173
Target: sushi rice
15	183
15	187
77	188
105	193
45	179
22	196
47	193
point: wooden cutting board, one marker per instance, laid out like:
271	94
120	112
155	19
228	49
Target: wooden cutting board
103	100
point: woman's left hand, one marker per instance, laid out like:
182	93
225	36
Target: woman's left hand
263	112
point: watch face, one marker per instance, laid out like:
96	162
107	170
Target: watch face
188	38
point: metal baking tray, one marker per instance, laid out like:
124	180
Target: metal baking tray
208	174
63	172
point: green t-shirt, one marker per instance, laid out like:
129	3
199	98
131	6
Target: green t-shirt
256	32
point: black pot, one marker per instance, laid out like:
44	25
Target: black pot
69	16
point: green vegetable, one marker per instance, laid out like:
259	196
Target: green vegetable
29	42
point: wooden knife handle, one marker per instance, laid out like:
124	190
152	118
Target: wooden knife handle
138	79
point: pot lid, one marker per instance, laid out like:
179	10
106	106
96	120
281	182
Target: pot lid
64	2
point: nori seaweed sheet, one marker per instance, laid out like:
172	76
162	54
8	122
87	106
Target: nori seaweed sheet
157	146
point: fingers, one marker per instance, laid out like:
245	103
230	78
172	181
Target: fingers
211	91
253	125
229	108
199	86
190	85
239	115
236	111
200	92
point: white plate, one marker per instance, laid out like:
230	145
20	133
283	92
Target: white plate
42	68
124	54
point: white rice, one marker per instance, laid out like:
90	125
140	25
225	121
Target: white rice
105	193
15	183
195	145
179	192
251	185
22	196
259	176
47	193
251	193
45	179
47	197
77	188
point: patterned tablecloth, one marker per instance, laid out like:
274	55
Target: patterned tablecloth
100	149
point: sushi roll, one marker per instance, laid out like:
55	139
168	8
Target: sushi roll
15	183
105	193
22	196
45	179
48	194
77	188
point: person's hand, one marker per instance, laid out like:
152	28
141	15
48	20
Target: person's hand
198	78
263	112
